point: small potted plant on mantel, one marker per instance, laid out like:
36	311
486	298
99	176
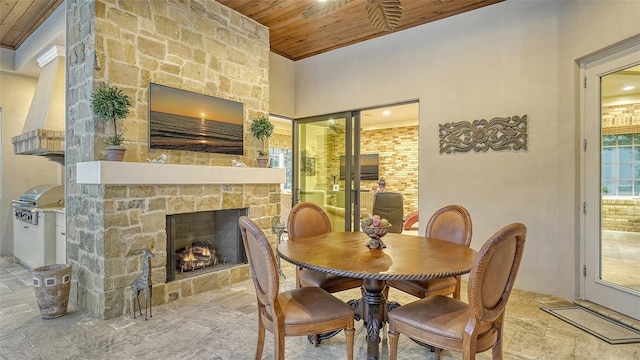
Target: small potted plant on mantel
111	104
261	128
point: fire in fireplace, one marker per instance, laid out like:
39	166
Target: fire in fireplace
203	241
195	257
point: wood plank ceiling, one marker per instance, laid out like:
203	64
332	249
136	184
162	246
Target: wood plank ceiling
291	35
296	38
20	18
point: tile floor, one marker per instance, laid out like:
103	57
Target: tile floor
221	324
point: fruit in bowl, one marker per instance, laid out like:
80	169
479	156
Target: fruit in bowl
375	227
374	221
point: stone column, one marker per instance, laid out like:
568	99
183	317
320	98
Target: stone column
83	205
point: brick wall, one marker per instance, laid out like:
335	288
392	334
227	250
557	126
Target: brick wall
621	214
621	119
398	154
397	149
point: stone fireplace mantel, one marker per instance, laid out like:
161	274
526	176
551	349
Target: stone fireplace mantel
132	213
137	173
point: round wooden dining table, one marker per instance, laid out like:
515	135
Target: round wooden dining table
406	257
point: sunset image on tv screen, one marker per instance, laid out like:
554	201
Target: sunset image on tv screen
188	121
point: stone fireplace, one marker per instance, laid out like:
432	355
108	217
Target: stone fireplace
116	210
128	205
202	242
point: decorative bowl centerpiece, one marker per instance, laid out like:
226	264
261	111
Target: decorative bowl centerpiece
375	227
375	232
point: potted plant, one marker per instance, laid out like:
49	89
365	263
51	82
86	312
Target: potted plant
261	128
111	105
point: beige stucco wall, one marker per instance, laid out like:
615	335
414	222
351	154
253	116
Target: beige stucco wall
18	81
19	172
282	82
511	58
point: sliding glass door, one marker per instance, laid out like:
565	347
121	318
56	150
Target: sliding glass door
324	149
340	161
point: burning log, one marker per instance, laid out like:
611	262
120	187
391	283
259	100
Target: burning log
196	257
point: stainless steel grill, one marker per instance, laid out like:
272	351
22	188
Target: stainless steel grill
42	195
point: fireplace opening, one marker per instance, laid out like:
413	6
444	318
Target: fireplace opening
202	242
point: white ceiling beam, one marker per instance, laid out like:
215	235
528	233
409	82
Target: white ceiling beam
51	32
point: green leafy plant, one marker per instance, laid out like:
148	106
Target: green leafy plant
261	128
111	104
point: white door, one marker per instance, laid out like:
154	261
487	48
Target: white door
611	179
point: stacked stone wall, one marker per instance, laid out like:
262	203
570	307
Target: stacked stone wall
202	47
135	218
199	46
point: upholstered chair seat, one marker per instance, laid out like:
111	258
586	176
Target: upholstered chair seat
329	282
424	288
308	305
442	318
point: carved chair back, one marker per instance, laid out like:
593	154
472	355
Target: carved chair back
307	219
451	223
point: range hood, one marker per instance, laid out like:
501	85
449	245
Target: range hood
43	131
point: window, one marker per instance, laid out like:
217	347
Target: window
281	158
621	164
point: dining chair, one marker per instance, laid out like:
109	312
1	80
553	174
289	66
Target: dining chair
389	205
448	323
308	219
451	223
298	312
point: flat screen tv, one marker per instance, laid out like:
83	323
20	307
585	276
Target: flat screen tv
369	164
188	121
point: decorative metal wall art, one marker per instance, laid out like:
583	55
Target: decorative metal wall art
480	135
